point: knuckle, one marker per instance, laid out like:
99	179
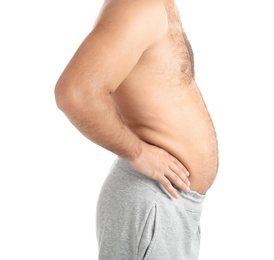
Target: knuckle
177	179
180	177
167	185
183	177
157	176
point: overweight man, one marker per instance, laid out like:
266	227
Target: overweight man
130	88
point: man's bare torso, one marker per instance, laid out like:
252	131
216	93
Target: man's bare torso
130	88
161	103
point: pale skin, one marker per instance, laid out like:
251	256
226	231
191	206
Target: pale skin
130	88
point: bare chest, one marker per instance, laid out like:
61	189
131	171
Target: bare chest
171	59
179	49
166	67
179	53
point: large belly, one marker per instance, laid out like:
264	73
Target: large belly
179	123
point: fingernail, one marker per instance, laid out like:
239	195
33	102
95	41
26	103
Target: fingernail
187	173
176	196
187	189
188	184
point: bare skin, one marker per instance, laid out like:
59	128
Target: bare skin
130	88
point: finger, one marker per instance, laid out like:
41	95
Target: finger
180	165
170	189
178	171
172	177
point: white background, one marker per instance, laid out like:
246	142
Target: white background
50	175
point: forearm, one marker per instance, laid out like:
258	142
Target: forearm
97	119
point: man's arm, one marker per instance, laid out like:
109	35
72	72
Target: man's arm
124	30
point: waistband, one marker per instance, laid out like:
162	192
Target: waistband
192	200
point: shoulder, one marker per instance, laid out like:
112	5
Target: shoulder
154	7
149	14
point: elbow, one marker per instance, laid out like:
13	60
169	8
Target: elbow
74	95
62	97
72	98
66	96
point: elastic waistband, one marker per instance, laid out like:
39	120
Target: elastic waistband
192	200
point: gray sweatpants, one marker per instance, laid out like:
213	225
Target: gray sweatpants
138	220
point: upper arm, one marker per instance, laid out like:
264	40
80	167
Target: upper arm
123	31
